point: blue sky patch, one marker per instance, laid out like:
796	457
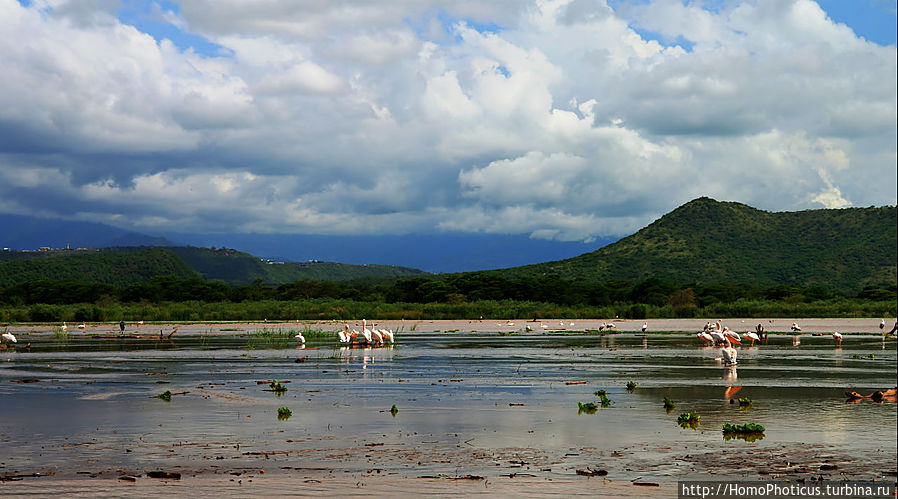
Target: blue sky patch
147	17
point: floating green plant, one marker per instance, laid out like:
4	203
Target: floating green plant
277	387
744	402
688	420
631	385
166	396
394	410
284	413
605	401
600	393
588	407
669	404
749	432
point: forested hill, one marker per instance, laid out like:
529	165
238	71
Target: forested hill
707	241
128	265
108	267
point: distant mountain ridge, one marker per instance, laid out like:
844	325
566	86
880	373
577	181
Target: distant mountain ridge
21	232
129	265
432	252
712	241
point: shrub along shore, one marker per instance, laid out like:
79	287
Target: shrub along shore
344	309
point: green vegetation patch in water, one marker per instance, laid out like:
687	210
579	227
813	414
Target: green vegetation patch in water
689	420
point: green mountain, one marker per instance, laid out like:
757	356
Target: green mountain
128	265
707	241
109	267
237	267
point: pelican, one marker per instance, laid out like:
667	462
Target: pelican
610	325
63	326
644	326
732	336
753	337
365	331
602	327
81	326
376	337
300	338
729	354
796	327
706	338
882	324
344	334
387	335
718	337
837	336
8	337
543	326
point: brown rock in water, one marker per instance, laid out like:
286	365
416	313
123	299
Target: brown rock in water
164	474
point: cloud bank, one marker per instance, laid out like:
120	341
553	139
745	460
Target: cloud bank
563	119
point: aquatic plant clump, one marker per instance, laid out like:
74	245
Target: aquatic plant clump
743	428
394	410
277	387
749	432
588	407
600	393
605	401
688	420
669	404
744	402
284	413
166	396
631	385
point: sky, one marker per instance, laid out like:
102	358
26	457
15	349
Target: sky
561	120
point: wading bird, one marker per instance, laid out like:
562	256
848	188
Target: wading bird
706	338
796	327
645	326
729	354
750	336
9	337
344	334
300	338
366	333
837	337
732	336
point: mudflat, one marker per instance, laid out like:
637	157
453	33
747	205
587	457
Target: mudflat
481	408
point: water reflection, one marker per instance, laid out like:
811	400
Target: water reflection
502	392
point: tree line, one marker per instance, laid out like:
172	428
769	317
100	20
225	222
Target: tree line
450	289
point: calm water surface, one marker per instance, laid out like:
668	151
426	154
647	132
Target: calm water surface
467	403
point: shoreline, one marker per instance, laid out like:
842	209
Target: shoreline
809	326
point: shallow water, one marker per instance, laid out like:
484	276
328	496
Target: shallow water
470	403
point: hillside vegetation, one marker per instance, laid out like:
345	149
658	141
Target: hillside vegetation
707	241
129	265
108	267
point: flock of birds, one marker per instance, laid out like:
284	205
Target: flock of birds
373	337
715	335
